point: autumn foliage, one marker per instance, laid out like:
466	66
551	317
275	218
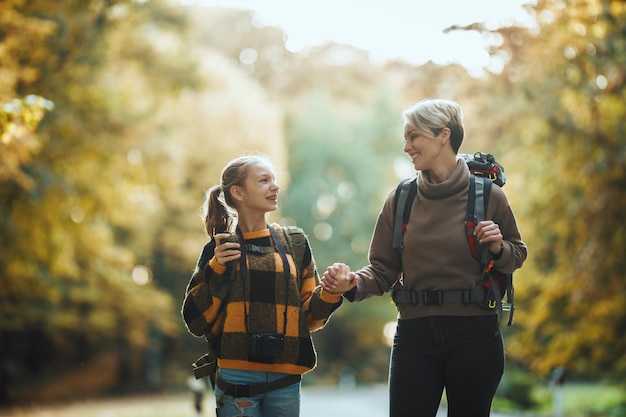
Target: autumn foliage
115	116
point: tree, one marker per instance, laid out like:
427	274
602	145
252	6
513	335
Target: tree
66	272
562	98
19	117
101	244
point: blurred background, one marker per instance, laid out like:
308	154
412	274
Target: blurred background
117	115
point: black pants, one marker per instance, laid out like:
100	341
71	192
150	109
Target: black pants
464	355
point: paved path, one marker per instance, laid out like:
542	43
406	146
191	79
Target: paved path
338	401
370	401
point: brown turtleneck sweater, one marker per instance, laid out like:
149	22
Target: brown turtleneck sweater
436	254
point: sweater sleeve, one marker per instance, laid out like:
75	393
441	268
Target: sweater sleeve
201	311
317	304
514	250
385	261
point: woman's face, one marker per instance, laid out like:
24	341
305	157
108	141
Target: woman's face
423	150
261	190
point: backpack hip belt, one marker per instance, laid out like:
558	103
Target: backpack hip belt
438	297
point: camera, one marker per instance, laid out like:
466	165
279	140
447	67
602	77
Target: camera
232	238
267	344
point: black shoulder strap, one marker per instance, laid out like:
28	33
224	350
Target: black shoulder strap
403	201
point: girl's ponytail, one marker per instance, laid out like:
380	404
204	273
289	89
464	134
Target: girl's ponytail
220	208
217	217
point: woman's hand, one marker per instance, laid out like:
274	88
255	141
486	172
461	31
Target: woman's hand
487	232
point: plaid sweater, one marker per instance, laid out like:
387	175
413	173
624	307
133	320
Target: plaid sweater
259	299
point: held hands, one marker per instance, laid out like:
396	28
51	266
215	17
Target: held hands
487	232
338	279
226	250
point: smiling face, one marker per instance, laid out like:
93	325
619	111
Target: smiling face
431	126
424	149
260	191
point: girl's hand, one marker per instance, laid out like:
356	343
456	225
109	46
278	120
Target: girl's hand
226	250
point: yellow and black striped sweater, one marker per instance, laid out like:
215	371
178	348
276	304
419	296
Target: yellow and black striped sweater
260	298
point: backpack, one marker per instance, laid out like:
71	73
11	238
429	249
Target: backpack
206	365
484	171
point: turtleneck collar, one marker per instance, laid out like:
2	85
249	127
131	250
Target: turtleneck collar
457	182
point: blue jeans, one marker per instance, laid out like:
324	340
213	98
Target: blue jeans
464	355
283	402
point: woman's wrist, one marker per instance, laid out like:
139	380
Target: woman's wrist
498	254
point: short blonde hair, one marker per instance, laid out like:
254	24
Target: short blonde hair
429	116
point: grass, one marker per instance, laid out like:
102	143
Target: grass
585	399
579	399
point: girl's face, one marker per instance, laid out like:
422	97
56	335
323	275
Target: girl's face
261	190
423	150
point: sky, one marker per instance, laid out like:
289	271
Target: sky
411	30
